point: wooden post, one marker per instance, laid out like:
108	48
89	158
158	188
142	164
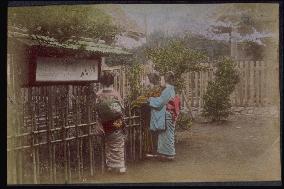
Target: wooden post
140	135
36	125
192	91
19	118
102	154
134	143
76	112
251	92
241	82
90	130
246	83
264	83
66	118
33	137
49	125
196	89
64	135
240	85
81	157
54	162
130	142
201	90
256	83
69	161
187	85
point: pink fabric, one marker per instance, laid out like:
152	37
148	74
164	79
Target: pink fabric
173	106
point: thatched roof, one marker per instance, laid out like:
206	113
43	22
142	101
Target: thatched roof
84	44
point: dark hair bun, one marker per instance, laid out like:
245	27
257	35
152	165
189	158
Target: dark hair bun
107	78
154	78
170	77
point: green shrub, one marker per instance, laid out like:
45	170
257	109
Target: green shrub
184	121
217	97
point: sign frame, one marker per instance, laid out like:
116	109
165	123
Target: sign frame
34	53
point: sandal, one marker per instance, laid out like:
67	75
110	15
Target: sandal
151	155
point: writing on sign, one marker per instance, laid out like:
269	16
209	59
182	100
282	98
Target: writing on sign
66	69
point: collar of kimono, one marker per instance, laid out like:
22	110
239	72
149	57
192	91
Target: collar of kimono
108	88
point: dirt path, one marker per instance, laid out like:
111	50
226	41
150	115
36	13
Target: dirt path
242	149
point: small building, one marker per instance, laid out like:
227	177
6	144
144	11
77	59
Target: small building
39	66
34	60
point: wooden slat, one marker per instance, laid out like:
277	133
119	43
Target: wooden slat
196	89
256	83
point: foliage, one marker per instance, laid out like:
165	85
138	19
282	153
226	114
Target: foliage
217	97
184	121
212	48
247	17
253	50
137	55
146	94
133	73
178	58
64	22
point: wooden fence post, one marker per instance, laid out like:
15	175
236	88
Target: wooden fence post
33	126
256	83
196	89
49	125
90	130
246	83
76	114
264	83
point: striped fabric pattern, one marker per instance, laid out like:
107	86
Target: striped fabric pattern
166	139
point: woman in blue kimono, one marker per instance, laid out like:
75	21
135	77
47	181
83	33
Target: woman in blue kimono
162	119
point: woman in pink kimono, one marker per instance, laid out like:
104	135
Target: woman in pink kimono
164	113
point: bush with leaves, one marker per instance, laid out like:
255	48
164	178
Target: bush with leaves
133	73
184	121
217	97
175	56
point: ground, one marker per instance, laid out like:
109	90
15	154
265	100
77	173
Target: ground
245	148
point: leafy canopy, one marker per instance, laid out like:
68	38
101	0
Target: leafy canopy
175	56
64	22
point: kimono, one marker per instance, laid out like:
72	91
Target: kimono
114	136
162	121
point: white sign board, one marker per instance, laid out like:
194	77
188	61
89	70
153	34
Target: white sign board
66	69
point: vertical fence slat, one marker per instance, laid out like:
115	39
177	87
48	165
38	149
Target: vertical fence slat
256	82
63	137
264	83
33	137
49	126
89	131
191	85
37	128
76	112
195	89
245	83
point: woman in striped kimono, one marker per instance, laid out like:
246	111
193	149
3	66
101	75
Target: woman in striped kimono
113	129
164	112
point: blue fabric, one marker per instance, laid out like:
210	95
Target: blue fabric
166	139
158	108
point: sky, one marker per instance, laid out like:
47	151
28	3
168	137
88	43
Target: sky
179	19
170	18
